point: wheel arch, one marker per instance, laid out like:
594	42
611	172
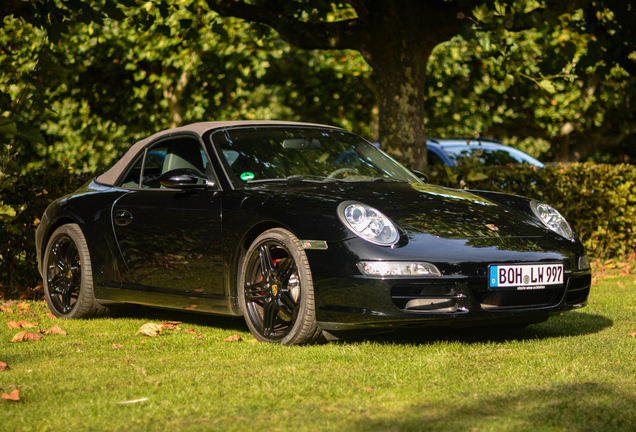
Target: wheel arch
243	246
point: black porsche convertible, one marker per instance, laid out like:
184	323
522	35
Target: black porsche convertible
304	230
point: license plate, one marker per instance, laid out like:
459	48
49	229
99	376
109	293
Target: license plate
525	276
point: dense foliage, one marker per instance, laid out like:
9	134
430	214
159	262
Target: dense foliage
28	195
475	91
541	78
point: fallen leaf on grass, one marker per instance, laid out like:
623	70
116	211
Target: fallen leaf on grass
23	305
233	338
13	396
252	341
191	307
191	331
620	285
4	366
24	336
53	330
151	329
170	325
116	345
632	334
369	389
21	324
6	310
50	315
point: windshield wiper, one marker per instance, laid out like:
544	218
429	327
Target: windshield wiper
267	180
298	178
314	178
388	179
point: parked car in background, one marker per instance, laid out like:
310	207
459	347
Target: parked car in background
455	151
452	152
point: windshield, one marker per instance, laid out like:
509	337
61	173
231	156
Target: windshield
257	154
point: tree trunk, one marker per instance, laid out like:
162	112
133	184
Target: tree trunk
401	87
398	49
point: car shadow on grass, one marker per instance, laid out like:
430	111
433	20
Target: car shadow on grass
228	323
586	406
567	325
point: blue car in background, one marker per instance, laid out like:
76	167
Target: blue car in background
453	152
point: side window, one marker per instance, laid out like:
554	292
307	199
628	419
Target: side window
167	155
131	180
153	167
176	153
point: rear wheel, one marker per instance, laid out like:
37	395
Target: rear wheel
68	276
276	290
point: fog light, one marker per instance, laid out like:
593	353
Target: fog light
398	269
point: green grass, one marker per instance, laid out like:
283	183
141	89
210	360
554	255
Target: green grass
576	372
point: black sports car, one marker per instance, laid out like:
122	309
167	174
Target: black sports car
302	229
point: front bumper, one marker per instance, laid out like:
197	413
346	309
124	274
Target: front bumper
347	300
454	302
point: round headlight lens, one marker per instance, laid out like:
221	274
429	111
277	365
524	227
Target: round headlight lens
368	223
552	219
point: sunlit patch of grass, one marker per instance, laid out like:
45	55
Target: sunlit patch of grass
575	372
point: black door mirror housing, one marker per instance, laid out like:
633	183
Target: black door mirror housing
184	178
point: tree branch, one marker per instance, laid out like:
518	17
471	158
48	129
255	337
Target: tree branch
306	35
360	8
560	7
10	7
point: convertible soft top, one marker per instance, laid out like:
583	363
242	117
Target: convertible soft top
111	176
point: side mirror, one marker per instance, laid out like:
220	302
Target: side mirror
184	178
420	175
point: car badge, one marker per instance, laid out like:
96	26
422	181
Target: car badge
275	290
492	227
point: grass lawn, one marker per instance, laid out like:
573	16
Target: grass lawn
576	372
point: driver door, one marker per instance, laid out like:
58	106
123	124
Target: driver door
170	239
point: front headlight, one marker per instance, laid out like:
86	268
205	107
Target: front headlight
552	219
368	223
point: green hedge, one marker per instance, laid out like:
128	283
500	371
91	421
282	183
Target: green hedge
28	195
598	200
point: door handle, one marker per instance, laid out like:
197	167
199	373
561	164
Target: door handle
123	217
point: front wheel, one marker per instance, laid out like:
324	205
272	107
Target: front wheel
68	276
276	290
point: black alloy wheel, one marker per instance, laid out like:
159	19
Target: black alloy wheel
277	298
68	281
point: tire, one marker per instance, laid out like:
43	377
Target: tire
276	292
68	275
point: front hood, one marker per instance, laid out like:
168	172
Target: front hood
443	212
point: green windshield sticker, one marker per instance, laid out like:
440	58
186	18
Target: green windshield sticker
246	176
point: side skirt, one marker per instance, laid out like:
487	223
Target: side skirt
168	299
